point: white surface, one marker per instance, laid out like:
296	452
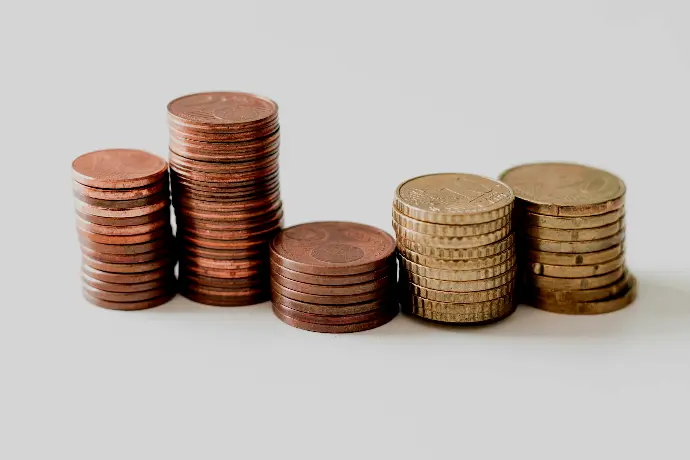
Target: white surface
371	93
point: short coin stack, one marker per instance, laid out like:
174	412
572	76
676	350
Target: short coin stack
571	231
455	246
224	171
123	222
333	277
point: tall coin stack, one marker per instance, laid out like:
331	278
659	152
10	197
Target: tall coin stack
333	277
122	201
224	171
455	246
571	230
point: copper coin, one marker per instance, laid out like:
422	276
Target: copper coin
328	299
122	230
129	306
225	298
224	178
255	272
123	204
162	186
220	111
335	329
127	249
205	128
186	193
332	280
230	216
163	214
220	206
119	213
129	268
334	319
118	168
223	153
131	287
198	225
127	278
215	134
125	296
228	187
346	309
238	264
230	235
221	254
239	136
234	166
222	283
122	239
125	258
333	248
340	290
233	245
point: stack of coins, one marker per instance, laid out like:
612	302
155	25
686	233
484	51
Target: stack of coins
224	174
455	246
333	277
571	230
123	221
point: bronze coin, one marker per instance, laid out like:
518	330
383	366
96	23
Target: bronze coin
125	296
232	245
162	186
264	220
125	258
334	319
238	194
346	309
223	153
127	249
127	278
118	168
163	214
221	254
333	280
122	230
266	231
333	248
205	128
179	182
346	290
229	216
328	299
123	204
122	239
130	287
84	208
129	268
129	306
239	136
230	265
220	111
233	167
223	297
221	206
255	272
335	329
222	283
223	178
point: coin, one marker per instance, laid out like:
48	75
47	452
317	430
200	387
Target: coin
488	250
333	280
452	242
327	299
455	275
233	245
230	215
587	234
127	278
222	283
121	239
125	296
219	177
119	213
449	230
239	136
121	230
334	319
129	306
590	282
589	258
222	206
250	272
221	111
221	254
236	264
128	268
223	297
456	297
572	223
337	329
469	313
607	305
130	287
161	186
125	249
565	271
179	182
463	264
267	219
321	309
123	204
118	168
163	214
564	189
332	248
458	286
577	247
230	235
125	258
580	295
346	290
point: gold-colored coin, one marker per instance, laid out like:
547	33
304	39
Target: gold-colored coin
458	286
610	304
572	223
570	284
407	288
586	234
466	264
449	230
458	312
455	275
581	271
454	199
565	189
458	253
451	241
577	247
581	295
590	258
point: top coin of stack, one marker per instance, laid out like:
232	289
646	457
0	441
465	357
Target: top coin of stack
571	229
333	277
224	170
455	246
123	222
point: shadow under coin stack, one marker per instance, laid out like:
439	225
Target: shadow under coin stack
333	277
123	221
224	171
571	232
455	246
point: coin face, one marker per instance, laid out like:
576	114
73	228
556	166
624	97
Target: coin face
336	248
118	168
579	189
221	108
453	198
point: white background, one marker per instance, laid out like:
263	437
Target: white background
370	94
